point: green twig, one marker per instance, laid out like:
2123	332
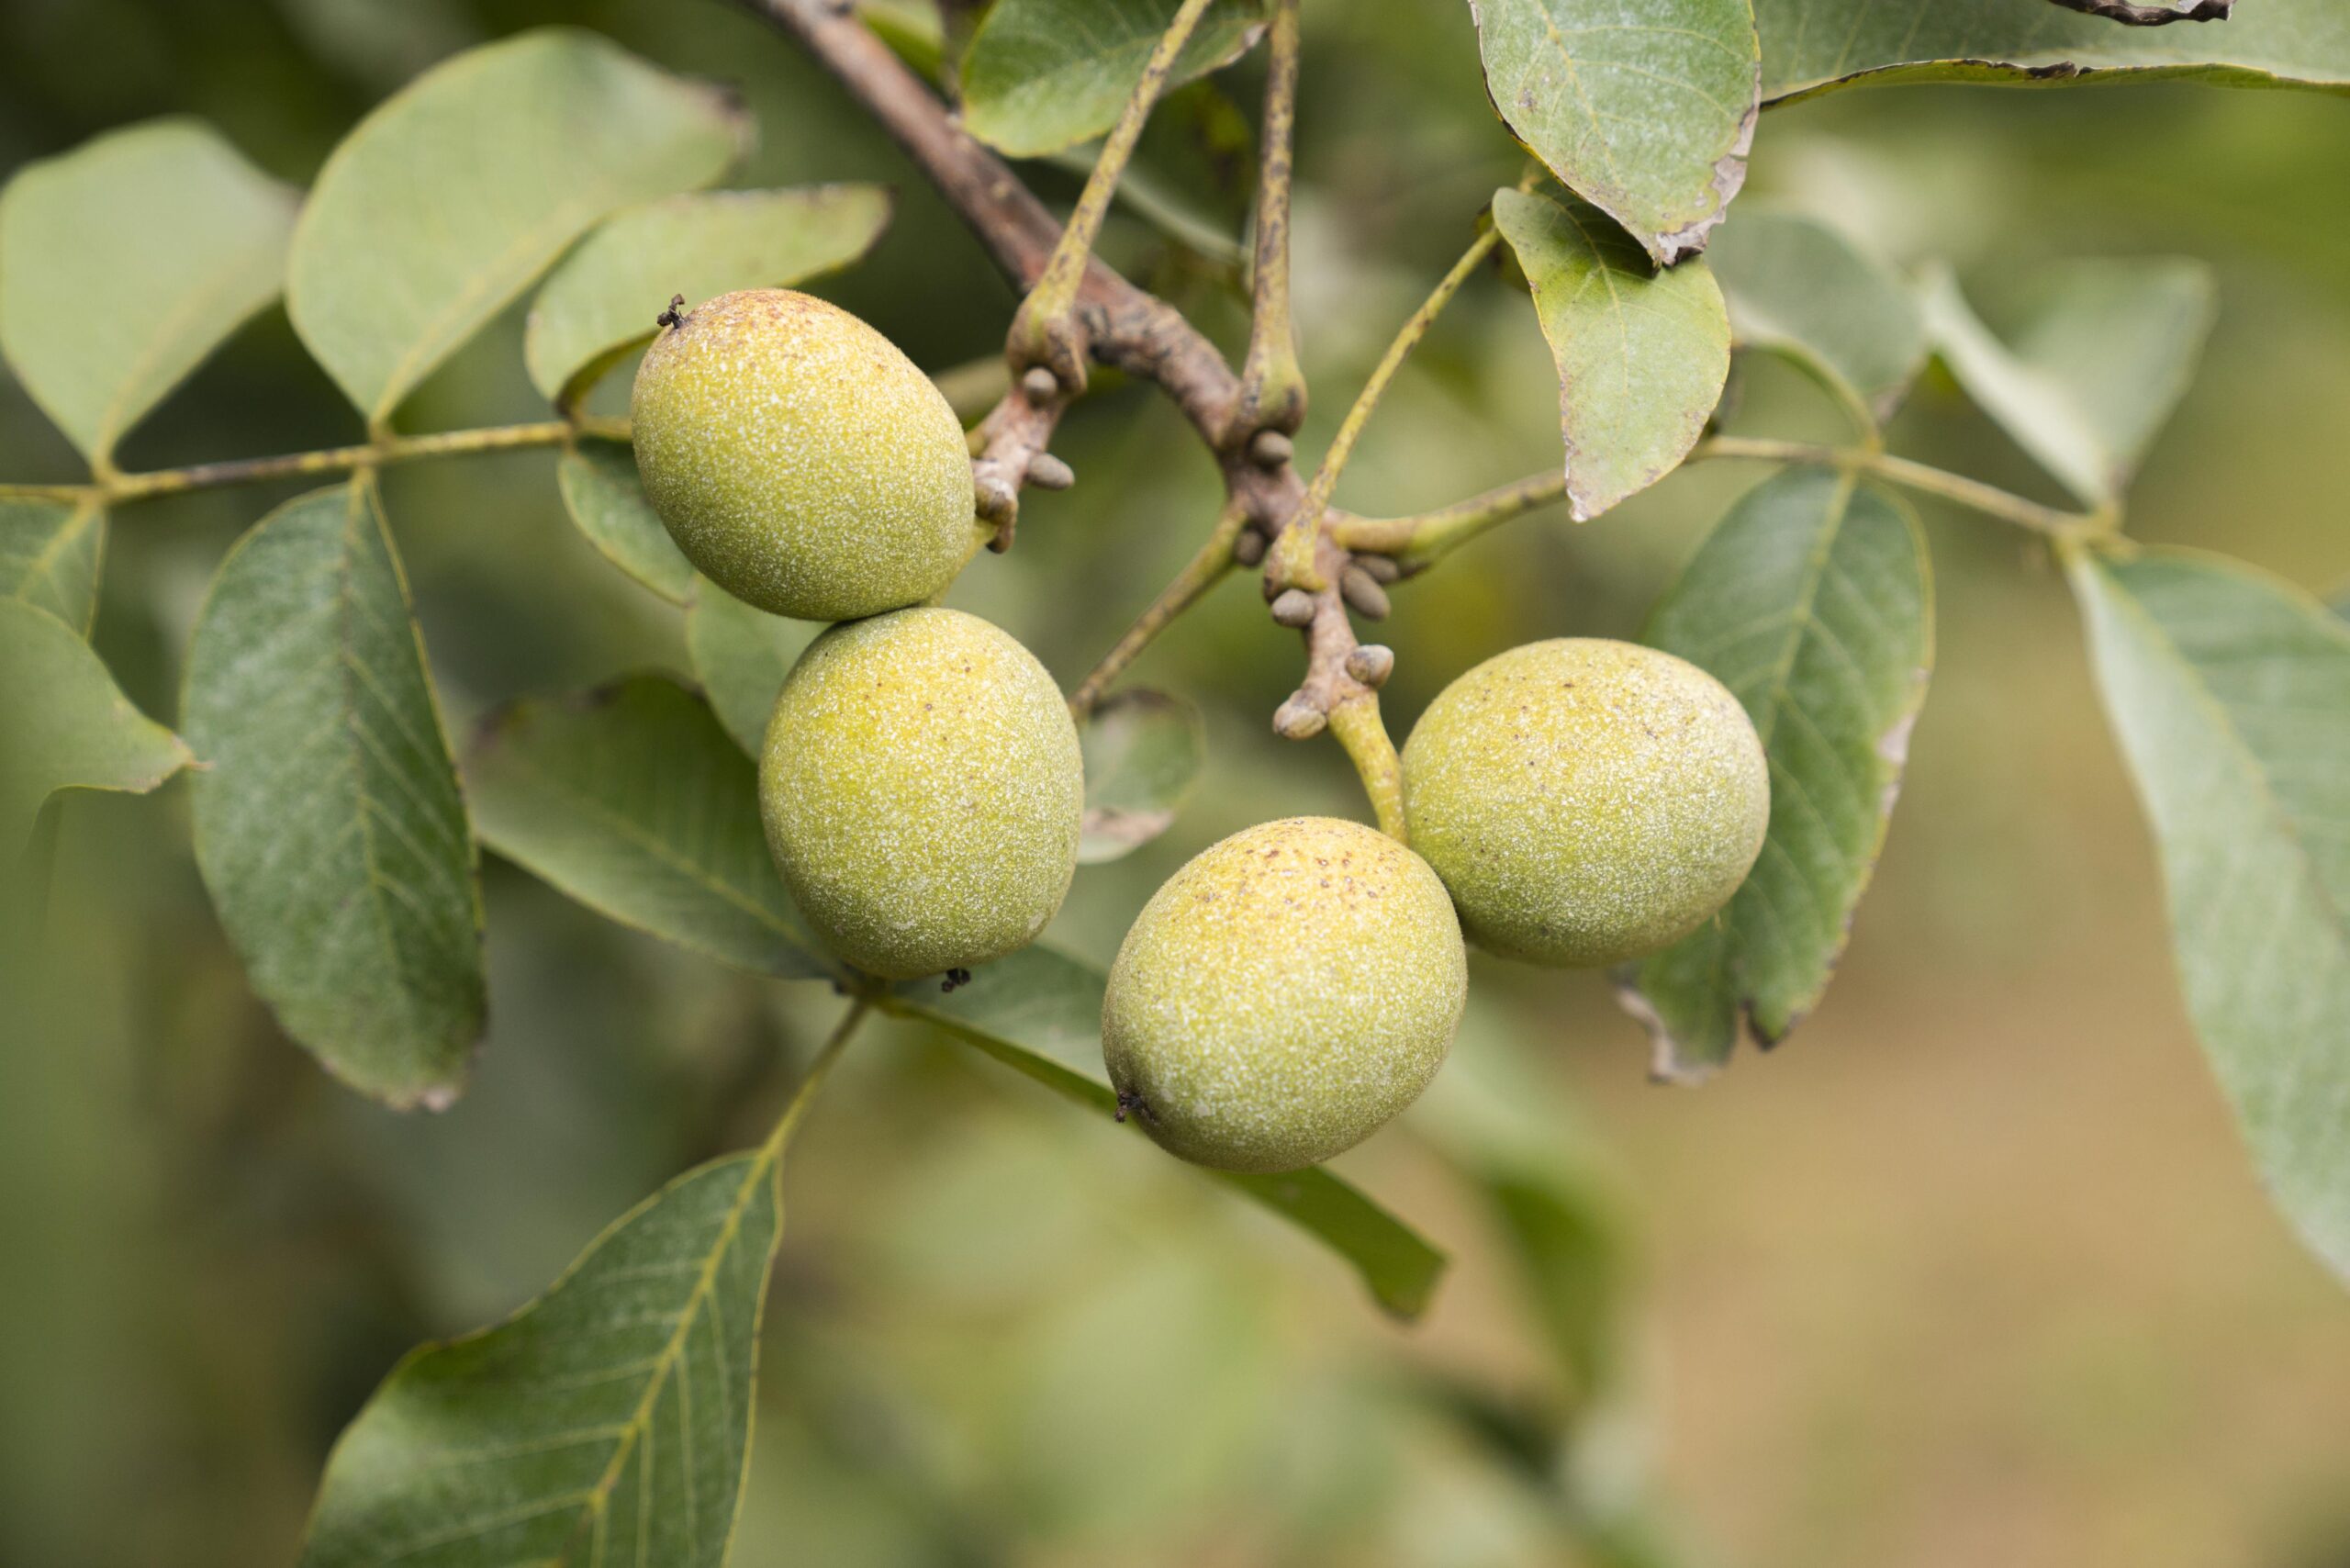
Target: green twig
120	487
1294	560
1045	333
1191	585
1426	537
804	1095
1272	386
1363	733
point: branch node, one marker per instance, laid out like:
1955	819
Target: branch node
1379	568
1363	594
1049	473
1248	549
1294	608
998	503
1299	719
1371	664
1040	385
1270	448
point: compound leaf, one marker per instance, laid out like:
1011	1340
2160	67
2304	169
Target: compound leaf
1642	354
606	501
329	825
607	1421
741	655
1798	288
1039	1012
1815	46
633	800
1143	754
1041	75
1645	111
1812	601
601	301
459	189
126	261
2230	692
50	556
65	725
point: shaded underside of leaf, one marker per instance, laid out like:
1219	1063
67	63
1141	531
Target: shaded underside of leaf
607	502
2230	692
635	801
1041	75
51	554
126	261
1144	751
458	190
329	825
1646	112
741	655
1798	288
608	1422
1813	45
1812	601
65	724
1039	1012
1642	355
602	299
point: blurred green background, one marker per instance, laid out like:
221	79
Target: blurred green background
1973	1270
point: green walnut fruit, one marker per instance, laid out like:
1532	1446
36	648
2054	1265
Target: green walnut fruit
799	460
922	786
1285	994
1586	801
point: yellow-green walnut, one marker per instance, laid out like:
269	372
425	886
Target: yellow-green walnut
920	785
1283	994
799	460
1587	800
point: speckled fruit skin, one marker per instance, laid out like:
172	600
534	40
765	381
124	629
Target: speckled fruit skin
1285	994
921	785
1586	801
801	461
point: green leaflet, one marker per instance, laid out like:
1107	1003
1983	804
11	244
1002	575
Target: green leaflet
459	189
1798	288
607	1422
1812	603
1645	111
51	552
126	261
329	825
1039	1012
1642	355
1143	754
741	656
2230	692
601	492
1041	75
65	725
2102	353
601	301
633	800
1814	46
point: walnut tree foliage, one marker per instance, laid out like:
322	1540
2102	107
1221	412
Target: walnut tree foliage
338	824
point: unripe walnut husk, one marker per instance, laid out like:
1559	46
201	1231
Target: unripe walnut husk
921	788
1285	994
1586	801
801	462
